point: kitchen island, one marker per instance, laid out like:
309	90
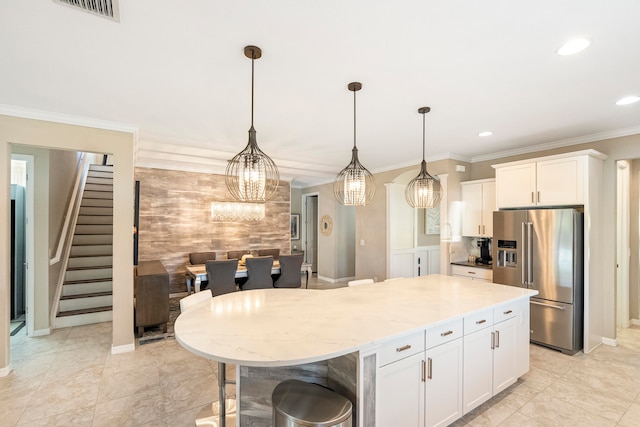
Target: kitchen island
353	339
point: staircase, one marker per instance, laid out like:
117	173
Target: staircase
86	291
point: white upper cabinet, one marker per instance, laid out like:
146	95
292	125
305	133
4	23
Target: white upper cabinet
547	181
479	202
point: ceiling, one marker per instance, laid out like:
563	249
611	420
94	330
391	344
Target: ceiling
176	71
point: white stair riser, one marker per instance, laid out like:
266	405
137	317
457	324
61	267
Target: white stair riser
94	219
91	250
99	180
97	194
89	210
85	288
94	229
92	239
98	187
98	273
84	319
90	261
102	168
82	303
97	202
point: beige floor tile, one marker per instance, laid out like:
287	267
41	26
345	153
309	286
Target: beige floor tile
489	414
551	411
78	417
631	418
144	408
519	420
128	383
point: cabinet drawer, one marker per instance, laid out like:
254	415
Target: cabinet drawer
444	333
476	321
401	348
472	272
505	312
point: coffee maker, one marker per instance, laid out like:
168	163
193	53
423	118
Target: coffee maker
485	251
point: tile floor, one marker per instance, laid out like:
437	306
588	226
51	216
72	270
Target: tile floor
69	378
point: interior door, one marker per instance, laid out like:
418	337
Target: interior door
311	232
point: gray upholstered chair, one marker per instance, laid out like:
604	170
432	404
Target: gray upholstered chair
201	257
290	266
222	276
275	253
238	254
258	273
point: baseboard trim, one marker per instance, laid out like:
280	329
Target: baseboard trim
41	332
635	322
610	342
5	371
119	349
330	280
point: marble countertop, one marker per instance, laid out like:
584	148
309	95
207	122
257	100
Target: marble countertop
282	327
473	264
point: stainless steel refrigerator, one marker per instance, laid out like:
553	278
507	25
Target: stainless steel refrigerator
542	249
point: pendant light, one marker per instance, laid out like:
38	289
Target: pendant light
423	191
251	176
354	185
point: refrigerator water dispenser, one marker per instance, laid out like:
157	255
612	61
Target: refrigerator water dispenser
507	253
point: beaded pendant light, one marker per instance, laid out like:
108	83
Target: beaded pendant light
423	191
251	176
354	185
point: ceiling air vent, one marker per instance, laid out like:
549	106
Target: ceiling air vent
106	8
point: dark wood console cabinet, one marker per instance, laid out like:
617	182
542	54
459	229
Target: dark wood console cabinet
151	295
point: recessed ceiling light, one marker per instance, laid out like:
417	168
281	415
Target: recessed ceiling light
628	100
485	133
573	46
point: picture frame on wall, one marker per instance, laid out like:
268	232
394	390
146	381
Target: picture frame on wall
432	220
295	226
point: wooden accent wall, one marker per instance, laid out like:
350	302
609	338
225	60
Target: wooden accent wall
175	219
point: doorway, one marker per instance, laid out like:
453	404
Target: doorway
310	229
22	241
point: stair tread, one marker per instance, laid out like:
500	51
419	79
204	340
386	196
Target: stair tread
87	295
92	267
84	311
78	282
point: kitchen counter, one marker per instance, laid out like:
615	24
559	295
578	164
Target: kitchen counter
473	264
334	337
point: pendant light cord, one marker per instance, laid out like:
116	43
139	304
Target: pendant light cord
354	119
423	138
253	58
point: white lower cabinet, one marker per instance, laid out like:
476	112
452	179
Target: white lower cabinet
489	355
434	377
444	384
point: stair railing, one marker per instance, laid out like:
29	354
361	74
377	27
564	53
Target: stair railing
66	235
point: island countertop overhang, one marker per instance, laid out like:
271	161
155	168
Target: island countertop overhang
284	327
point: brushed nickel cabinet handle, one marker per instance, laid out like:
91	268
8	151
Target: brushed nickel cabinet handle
430	369
484	230
497	339
532	199
493	340
478	228
538	197
423	372
403	348
480	322
508	312
471	272
444	334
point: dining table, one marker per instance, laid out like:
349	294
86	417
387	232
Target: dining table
197	273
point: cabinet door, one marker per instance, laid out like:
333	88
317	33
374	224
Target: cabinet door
504	355
471	209
400	393
444	384
560	182
516	186
478	369
488	206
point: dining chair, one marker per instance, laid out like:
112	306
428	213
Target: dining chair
258	273
275	253
290	266
222	276
196	258
359	282
238	254
189	301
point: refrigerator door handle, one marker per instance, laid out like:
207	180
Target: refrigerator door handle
524	283
529	254
559	307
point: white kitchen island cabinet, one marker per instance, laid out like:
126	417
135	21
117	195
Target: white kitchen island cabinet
373	343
